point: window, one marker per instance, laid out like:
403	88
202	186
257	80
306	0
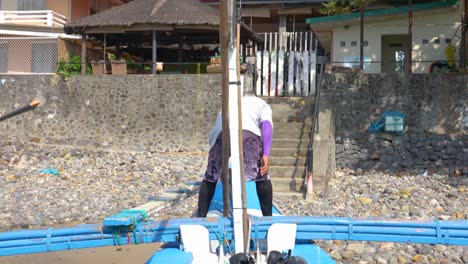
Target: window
425	41
26	5
44	56
366	43
448	41
342	43
436	41
353	43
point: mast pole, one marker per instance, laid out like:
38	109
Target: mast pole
245	223
223	37
235	129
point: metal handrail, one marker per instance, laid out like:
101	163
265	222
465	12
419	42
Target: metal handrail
314	127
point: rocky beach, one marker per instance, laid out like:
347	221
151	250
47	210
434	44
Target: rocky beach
94	183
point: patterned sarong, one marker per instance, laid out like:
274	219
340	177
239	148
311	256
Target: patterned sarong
253	150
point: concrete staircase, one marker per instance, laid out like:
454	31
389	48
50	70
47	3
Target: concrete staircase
292	118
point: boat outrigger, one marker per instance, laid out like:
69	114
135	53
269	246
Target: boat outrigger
231	230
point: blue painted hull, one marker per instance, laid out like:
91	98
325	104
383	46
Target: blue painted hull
312	253
306	249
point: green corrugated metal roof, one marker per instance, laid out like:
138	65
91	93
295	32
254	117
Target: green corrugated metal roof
382	12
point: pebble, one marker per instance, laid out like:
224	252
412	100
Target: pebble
94	184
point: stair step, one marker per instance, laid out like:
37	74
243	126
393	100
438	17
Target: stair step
291	135
292	118
287	161
289	152
287	110
289	143
286	185
287	172
288	119
292	126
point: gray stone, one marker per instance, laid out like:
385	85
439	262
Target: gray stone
426	249
336	255
356	248
381	260
386	158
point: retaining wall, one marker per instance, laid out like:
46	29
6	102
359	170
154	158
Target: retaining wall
134	112
436	107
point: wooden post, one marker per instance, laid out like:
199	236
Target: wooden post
410	36
83	54
244	53
463	35
223	38
361	48
154	55
104	53
117	50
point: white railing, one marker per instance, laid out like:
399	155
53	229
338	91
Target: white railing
286	64
40	17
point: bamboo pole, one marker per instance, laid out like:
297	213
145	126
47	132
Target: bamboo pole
223	37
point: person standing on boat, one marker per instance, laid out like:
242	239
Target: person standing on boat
257	125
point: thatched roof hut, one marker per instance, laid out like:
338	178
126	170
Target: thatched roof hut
153	23
149	15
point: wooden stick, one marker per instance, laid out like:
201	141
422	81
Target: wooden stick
223	37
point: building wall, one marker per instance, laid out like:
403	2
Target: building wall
9	5
80	8
441	24
60	6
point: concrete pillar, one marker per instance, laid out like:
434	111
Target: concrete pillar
324	161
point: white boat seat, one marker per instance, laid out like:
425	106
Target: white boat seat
196	239
281	237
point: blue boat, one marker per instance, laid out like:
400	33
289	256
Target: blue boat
204	240
217	238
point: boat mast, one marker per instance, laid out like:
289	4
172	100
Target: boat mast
224	37
245	220
235	128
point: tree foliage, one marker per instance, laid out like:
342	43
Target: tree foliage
335	7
